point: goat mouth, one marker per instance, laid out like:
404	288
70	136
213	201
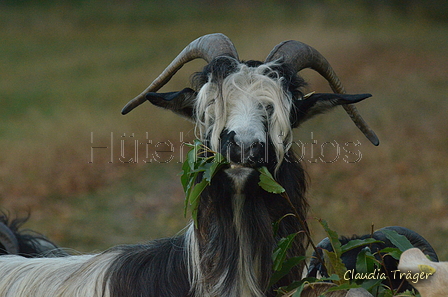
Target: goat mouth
240	173
236	166
242	166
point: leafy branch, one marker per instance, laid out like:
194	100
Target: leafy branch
199	168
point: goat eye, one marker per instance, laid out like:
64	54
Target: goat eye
269	108
211	102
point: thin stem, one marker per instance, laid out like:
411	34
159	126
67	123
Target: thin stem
304	227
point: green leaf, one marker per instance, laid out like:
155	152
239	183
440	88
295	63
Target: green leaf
335	265
196	192
209	170
213	166
219	158
268	183
285	269
393	252
333	237
194	199
365	261
352	244
279	254
276	224
400	241
299	290
371	283
192	157
194	165
185	173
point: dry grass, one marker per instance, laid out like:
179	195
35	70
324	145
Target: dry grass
67	73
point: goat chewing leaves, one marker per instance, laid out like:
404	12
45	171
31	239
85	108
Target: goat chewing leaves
197	173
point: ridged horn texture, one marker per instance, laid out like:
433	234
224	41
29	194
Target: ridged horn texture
415	239
206	47
300	56
8	240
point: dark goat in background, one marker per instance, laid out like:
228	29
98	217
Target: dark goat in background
349	258
24	242
246	111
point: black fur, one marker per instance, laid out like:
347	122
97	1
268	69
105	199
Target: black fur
158	268
31	244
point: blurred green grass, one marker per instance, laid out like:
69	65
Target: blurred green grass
67	69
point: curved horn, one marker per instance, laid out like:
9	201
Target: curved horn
301	56
206	47
415	239
8	239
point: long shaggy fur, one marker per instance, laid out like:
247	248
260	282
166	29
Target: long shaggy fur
74	276
237	246
229	254
253	92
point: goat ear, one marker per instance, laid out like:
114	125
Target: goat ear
181	102
318	103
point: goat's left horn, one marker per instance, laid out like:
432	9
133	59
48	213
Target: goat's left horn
8	240
300	56
206	47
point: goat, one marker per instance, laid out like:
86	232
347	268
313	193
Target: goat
246	111
317	268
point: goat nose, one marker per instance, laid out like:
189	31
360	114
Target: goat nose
242	149
256	149
250	152
246	152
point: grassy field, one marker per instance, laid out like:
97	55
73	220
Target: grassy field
68	69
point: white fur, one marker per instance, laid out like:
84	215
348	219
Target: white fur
194	261
414	261
74	276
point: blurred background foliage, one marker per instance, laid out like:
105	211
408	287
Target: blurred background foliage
68	67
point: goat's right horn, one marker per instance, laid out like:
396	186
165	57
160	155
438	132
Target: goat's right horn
300	56
206	47
8	240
